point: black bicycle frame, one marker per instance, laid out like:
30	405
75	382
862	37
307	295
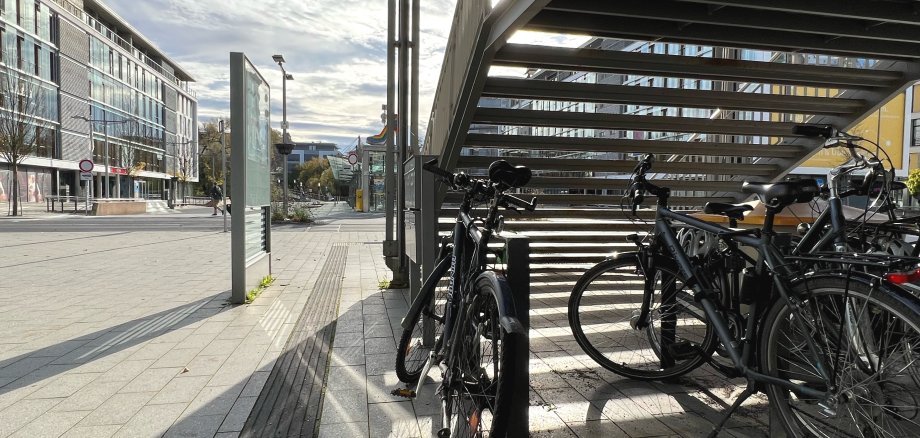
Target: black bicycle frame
705	293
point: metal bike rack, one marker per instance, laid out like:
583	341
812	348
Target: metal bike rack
517	271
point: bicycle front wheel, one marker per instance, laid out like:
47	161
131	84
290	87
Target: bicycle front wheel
423	334
604	312
869	339
479	402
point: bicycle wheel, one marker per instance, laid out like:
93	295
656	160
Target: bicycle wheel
421	337
869	338
479	402
604	309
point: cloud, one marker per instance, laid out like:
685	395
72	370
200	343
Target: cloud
336	51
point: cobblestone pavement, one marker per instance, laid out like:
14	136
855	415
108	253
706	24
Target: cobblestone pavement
130	334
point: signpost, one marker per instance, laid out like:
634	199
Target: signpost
352	158
86	174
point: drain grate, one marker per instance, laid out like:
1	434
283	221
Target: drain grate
291	401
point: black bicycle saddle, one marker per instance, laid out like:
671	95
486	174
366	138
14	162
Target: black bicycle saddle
512	176
781	194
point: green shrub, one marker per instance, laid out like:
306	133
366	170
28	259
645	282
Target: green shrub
913	182
301	214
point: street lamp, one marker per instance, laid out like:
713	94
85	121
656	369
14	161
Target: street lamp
285	147
106	124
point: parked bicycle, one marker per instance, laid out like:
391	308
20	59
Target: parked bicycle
464	319
834	350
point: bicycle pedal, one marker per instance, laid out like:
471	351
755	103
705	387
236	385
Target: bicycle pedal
683	350
403	392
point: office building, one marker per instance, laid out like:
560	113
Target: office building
108	94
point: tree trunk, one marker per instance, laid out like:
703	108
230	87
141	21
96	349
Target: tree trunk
14	195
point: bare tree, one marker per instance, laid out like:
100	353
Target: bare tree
20	105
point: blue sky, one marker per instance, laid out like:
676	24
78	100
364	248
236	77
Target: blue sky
336	51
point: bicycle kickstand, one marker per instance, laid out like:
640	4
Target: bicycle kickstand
749	391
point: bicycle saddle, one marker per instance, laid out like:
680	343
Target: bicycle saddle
512	176
781	194
733	211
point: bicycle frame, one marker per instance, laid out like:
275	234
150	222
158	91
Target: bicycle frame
705	293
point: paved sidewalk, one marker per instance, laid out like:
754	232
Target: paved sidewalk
129	334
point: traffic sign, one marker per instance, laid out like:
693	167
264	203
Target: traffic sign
86	165
352	158
86	176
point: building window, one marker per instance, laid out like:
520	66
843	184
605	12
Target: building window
915	132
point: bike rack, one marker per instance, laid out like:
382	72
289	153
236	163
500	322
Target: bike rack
517	270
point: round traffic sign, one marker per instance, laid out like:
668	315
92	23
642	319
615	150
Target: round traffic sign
352	158
86	165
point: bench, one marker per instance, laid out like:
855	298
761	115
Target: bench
51	201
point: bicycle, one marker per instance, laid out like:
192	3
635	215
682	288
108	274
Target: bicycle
472	331
657	314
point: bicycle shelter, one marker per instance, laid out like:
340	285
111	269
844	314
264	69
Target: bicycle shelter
717	119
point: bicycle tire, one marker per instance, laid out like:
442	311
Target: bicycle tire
856	325
481	402
601	318
413	347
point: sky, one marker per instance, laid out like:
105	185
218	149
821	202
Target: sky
336	51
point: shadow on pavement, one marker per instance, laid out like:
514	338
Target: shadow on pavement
34	366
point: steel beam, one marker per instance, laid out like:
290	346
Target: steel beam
869	11
752	17
612	61
598	144
564	119
717	35
669	97
627	166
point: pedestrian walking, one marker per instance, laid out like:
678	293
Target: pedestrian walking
216	197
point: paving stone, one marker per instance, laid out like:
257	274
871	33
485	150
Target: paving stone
392	419
180	390
153	420
64	386
347	406
92	431
151	379
195	426
89	397
50	424
118	409
22	413
340	430
238	414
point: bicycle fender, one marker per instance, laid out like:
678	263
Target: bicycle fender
902	295
506	311
427	290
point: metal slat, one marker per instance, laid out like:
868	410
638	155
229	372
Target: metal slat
613	201
604	183
717	35
759	18
561	164
691	67
449	213
593	144
564	119
670	97
880	11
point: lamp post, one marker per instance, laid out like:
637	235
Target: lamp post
105	123
285	147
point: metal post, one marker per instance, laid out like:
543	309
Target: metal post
413	122
105	126
517	255
402	123
223	171
389	182
284	164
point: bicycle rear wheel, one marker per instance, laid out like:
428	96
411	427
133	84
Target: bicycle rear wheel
479	401
870	339
604	309
423	334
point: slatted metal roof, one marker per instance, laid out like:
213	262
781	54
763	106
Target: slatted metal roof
712	88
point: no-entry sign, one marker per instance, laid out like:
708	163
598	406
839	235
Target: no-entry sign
86	165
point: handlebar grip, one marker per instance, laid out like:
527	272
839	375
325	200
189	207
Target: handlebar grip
432	166
529	206
826	131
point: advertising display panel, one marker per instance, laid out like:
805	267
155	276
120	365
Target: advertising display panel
251	135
